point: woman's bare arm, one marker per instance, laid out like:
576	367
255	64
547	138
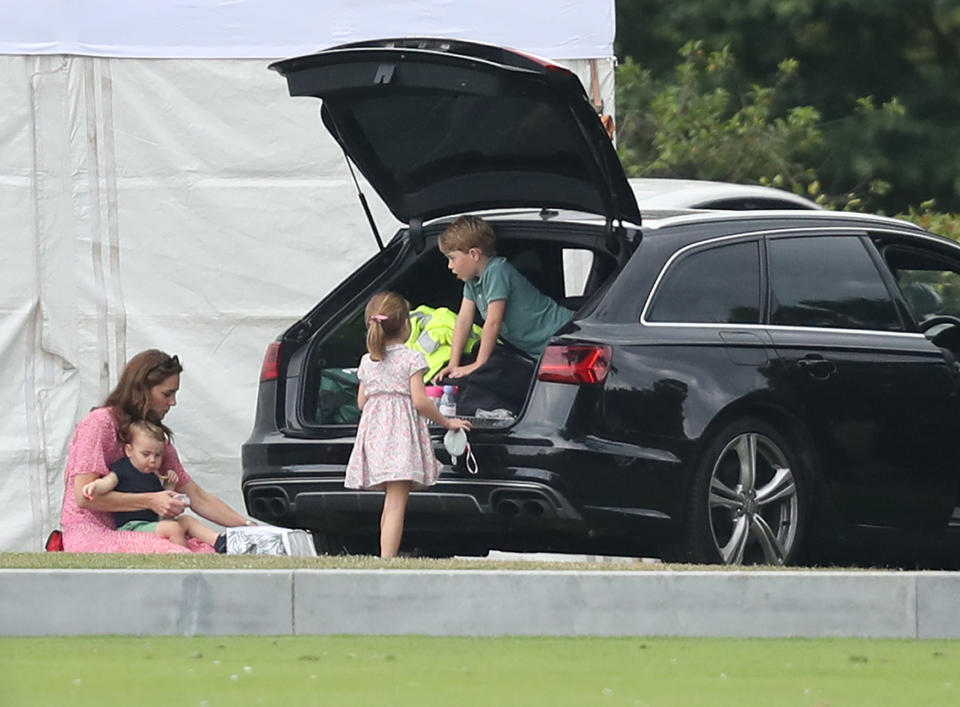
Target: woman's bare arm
208	506
163	503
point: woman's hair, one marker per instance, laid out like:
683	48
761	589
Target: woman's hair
386	314
130	400
144	429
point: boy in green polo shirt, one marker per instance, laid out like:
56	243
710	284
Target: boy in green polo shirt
511	307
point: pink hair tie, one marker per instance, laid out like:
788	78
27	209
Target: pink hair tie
378	318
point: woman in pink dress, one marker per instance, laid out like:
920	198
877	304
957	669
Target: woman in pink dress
393	451
147	389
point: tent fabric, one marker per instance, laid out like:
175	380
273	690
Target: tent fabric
561	29
181	204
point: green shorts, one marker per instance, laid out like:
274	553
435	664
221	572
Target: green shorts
140	526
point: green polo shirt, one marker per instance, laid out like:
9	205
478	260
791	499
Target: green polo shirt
531	317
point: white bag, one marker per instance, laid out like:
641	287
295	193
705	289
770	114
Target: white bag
269	540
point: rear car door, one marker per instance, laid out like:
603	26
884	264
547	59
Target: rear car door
700	347
879	397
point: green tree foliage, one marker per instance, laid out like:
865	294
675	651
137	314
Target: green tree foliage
883	75
698	123
943	224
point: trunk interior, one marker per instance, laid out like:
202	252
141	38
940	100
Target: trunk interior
569	263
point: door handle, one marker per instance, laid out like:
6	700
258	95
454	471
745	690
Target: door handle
817	366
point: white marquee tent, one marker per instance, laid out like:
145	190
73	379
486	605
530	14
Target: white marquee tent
159	188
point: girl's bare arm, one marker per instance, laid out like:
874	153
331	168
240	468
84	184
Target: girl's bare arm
426	407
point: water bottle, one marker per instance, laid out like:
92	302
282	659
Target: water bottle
448	403
434	392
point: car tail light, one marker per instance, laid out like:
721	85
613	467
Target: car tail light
575	364
270	370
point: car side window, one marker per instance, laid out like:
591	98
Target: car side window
828	281
720	284
929	282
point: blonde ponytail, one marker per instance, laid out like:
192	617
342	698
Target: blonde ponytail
386	314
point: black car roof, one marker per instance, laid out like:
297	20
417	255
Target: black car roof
759	220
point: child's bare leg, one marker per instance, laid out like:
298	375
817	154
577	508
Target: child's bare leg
170	530
196	529
391	520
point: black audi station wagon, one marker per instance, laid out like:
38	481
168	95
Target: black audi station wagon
749	387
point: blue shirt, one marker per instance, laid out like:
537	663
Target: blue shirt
530	319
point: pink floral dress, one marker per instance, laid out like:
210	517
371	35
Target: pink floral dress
95	446
393	442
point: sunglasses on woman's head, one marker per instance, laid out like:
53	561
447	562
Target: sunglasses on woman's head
171	362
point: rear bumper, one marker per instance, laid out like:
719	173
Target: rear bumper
309	501
466	515
534	490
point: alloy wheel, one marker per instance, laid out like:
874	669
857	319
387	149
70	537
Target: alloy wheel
753	504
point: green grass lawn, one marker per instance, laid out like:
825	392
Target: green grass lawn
421	671
528	672
73	560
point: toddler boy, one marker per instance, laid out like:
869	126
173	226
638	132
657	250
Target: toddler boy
139	472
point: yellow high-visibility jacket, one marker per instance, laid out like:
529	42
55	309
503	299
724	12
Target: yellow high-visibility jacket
431	333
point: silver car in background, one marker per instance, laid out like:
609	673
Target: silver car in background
660	194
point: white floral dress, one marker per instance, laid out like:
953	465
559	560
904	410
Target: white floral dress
393	442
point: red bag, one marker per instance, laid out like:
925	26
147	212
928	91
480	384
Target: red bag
54	541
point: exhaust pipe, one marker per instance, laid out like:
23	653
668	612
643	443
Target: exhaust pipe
534	508
267	506
258	506
523	508
508	508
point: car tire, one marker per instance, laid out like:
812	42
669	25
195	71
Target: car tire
750	498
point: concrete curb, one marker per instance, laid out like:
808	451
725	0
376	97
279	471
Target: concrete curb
480	603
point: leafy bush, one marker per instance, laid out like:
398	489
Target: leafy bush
700	124
940	223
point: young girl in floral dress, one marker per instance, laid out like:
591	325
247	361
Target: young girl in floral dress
393	452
